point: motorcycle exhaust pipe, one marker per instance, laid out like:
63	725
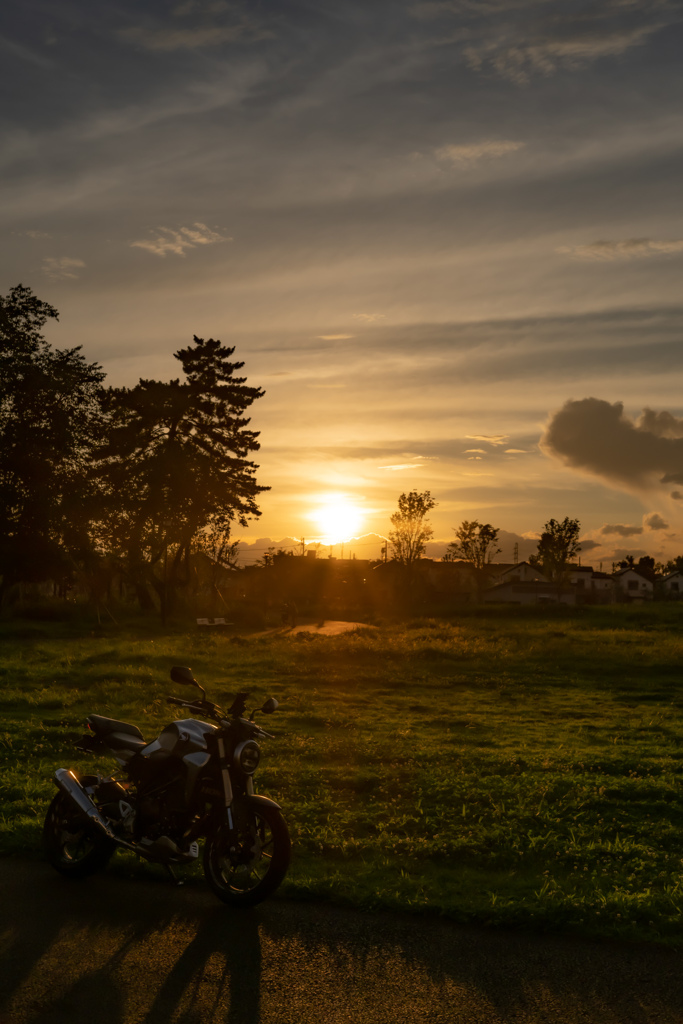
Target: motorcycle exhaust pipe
67	782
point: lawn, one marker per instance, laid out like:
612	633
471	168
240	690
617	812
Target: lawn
517	767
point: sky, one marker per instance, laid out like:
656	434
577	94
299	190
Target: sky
445	236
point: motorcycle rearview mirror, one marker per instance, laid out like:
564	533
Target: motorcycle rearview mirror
183	675
270	705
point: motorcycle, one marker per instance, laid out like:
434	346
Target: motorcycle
193	782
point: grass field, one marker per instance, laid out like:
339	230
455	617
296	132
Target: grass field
514	767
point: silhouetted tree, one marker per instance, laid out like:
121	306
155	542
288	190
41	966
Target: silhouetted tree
175	462
474	543
50	417
559	543
411	529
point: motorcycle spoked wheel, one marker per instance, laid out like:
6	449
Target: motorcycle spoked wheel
243	867
72	846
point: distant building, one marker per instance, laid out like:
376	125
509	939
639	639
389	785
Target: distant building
633	585
672	585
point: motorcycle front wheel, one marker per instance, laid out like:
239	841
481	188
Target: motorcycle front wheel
72	846
245	865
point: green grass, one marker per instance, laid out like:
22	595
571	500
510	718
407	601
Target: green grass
514	767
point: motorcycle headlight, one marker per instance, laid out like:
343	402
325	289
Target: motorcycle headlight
247	756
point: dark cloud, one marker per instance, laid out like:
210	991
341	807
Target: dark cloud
654	521
595	436
589	545
621	529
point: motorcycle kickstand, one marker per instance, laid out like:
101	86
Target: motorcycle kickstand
174	878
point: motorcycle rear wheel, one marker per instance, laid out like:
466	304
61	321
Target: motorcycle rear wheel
71	844
243	867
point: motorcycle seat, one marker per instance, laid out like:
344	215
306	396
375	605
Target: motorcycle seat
117	735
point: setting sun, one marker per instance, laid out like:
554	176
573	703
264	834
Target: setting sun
337	518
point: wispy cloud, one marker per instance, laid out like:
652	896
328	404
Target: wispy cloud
335	337
181	241
61	268
465	155
37	234
403	465
369	318
197	24
491	438
475	451
624	249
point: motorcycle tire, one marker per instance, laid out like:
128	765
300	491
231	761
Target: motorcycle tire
71	845
246	865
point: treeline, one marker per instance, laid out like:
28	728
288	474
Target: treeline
97	481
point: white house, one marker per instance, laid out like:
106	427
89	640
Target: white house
634	585
521	572
672	585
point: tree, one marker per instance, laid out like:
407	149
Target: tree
474	543
175	462
557	547
411	529
50	418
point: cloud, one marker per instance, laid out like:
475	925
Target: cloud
475	451
626	249
621	530
522	50
404	465
676	495
467	155
37	234
207	24
490	438
589	545
61	268
516	451
335	337
654	521
596	437
179	242
369	318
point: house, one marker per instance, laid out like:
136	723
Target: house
672	585
519	572
602	588
633	584
591	587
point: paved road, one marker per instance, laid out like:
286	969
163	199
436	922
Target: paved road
113	950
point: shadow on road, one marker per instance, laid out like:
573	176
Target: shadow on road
119	951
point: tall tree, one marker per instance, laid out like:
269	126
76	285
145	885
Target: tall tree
558	545
49	425
411	528
474	542
176	462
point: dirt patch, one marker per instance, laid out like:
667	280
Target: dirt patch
331	627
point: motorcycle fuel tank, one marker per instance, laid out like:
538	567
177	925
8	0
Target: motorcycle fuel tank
181	738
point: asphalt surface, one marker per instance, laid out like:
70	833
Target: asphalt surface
116	950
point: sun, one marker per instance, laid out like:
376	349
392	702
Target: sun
337	518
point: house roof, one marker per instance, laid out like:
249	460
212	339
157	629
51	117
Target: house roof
633	568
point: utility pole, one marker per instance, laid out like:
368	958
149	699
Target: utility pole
303	546
516	554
